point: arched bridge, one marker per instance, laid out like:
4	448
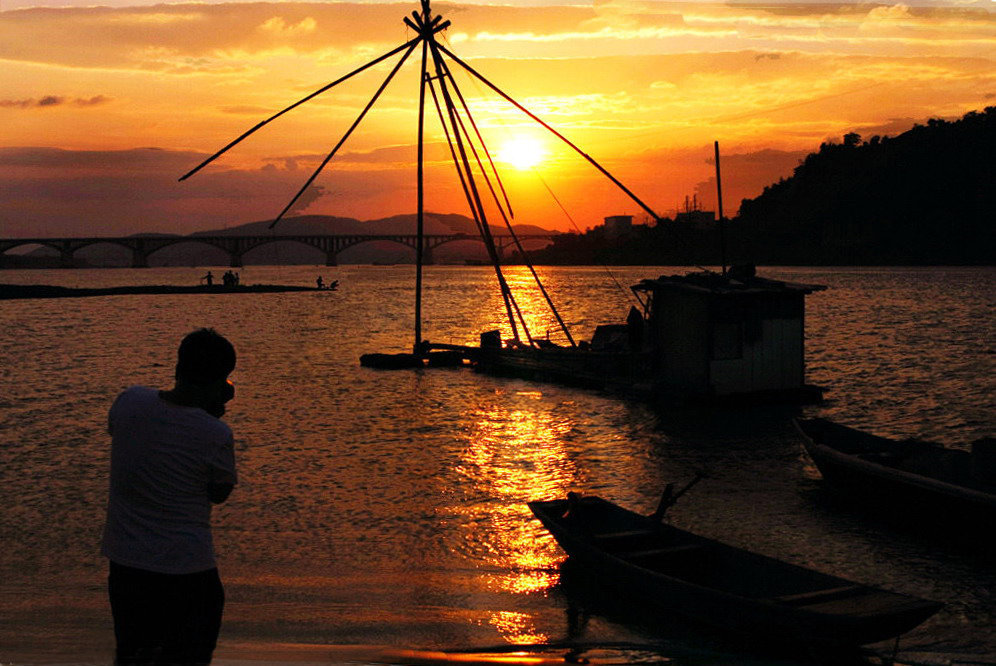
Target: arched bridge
236	246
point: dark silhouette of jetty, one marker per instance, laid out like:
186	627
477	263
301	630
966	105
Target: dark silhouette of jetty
14	291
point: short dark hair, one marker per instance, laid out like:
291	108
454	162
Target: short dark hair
205	356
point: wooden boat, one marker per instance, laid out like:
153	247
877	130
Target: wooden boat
925	479
749	594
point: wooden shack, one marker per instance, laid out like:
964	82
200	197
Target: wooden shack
715	335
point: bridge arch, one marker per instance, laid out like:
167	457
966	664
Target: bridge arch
146	250
236	246
256	247
16	243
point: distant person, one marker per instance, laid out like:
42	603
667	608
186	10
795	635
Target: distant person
171	459
236	279
320	282
208	278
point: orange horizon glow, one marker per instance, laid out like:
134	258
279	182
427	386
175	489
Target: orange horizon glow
102	115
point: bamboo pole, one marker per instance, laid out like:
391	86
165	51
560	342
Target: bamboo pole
420	221
508	224
345	136
434	48
722	222
297	104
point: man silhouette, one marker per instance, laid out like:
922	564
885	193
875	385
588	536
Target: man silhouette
171	459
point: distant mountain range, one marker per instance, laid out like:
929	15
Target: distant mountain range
198	254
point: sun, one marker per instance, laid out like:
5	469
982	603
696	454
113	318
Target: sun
522	152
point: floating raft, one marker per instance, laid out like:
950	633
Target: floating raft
437	359
14	291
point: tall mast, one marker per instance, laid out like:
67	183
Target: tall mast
420	217
722	222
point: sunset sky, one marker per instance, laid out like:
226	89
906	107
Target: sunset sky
102	108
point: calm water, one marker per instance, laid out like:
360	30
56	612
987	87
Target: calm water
388	507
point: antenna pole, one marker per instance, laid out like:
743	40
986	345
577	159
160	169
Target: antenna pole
722	222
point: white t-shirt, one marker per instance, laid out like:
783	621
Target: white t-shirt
163	456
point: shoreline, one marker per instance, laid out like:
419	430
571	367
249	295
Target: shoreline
16	291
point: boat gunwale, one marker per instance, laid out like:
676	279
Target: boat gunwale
816	448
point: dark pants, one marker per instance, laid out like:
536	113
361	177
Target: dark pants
165	618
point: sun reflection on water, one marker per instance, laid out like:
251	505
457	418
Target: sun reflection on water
533	307
517	628
514	455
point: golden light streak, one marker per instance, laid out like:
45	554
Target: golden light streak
517	628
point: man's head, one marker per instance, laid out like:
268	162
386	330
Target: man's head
205	357
204	361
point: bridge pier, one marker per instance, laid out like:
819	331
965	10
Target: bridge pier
139	259
236	261
330	259
427	259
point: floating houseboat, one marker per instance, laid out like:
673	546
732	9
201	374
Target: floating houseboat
700	336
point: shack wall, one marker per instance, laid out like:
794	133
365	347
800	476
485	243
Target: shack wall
772	347
681	331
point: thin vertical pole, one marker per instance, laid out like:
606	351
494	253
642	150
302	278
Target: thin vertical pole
722	221
419	243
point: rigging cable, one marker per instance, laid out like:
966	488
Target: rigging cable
345	136
508	224
629	292
474	198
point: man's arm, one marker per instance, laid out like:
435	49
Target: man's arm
222	476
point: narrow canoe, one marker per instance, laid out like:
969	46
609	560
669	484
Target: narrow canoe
739	591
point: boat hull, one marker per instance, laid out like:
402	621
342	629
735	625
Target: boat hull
736	590
618	372
915	479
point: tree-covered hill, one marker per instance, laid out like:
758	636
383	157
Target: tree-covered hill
927	196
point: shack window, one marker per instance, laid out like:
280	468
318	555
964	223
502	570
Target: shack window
727	340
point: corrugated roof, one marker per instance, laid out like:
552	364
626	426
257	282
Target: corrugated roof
715	283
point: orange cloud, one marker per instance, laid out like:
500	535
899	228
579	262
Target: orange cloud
49	101
644	87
